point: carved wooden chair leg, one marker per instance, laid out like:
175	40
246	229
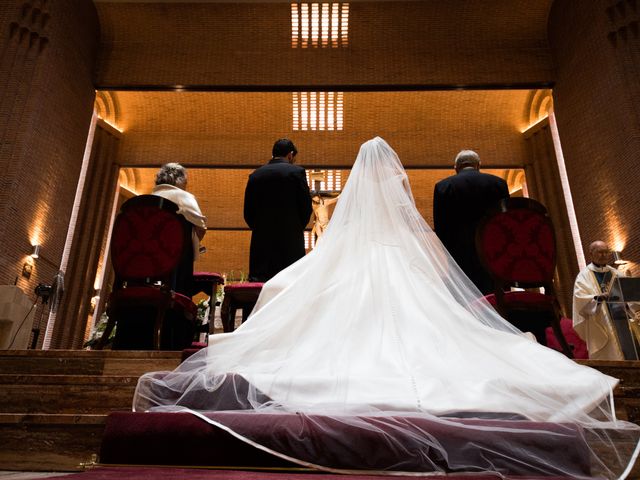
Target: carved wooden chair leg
157	329
158	326
225	315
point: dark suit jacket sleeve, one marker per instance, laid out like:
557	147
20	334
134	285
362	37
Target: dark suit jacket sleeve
504	189
439	215
304	198
249	209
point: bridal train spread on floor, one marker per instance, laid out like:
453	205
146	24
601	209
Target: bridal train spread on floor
378	335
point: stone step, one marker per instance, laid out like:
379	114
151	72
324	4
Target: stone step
49	442
86	362
66	394
101	393
627	393
55	402
627	371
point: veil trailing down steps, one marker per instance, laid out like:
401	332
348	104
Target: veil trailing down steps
375	352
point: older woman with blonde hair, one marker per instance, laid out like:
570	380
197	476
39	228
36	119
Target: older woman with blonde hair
171	183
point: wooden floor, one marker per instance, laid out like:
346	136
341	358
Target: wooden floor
54	403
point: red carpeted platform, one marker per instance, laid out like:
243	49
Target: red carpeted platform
176	439
168	473
184	439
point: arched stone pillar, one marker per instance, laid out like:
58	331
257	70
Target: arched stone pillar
88	243
544	185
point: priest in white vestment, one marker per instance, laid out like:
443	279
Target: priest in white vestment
591	319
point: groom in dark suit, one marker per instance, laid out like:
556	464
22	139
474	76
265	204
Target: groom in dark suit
459	202
277	208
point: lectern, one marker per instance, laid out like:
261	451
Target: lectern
623	293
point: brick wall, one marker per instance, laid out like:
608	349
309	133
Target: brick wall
246	44
238	129
47	52
597	108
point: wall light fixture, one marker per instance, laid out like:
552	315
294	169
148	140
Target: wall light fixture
617	259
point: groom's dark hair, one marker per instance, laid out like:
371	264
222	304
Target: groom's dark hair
283	147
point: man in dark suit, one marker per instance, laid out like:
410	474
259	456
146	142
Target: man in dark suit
277	208
459	202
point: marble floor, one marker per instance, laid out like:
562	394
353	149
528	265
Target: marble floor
13	475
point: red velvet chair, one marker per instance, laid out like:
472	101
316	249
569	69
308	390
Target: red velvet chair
516	244
151	252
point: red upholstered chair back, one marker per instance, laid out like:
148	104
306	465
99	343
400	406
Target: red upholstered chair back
149	240
516	243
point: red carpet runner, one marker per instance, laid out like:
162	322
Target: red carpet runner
167	473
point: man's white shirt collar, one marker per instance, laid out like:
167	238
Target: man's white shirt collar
595	268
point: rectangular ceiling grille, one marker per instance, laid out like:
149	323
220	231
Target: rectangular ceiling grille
319	25
332	182
318	111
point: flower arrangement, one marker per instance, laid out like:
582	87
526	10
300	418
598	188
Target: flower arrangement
98	331
203	311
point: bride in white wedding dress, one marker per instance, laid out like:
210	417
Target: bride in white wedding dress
377	342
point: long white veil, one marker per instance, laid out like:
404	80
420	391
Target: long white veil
377	342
